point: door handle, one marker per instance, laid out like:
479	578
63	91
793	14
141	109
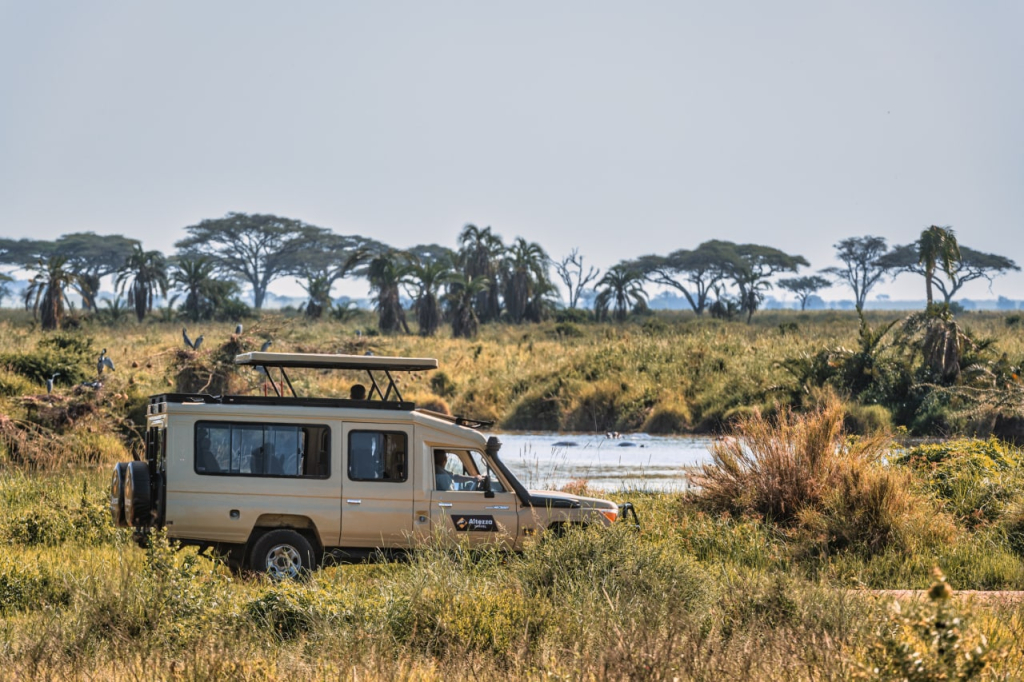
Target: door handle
354	501
444	504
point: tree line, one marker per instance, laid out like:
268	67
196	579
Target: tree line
483	280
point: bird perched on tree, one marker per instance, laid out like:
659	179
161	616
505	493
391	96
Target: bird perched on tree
238	329
104	362
188	341
49	383
198	342
266	345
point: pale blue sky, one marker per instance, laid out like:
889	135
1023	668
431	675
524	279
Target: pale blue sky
621	128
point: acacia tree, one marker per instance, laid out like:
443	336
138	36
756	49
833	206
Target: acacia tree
937	248
620	289
861	268
570	271
694	273
326	258
253	248
754	265
480	253
47	291
804	287
973	265
147	271
92	257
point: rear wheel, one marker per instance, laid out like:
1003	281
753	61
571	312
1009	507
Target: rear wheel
283	555
117	495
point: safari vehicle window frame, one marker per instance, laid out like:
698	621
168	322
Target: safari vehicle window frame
384	432
326	451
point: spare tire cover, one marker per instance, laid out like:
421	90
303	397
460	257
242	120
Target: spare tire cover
136	495
117	494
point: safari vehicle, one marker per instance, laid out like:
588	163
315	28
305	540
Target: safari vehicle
280	483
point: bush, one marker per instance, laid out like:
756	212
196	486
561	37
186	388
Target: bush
803	473
29	588
442	385
867	420
975	479
671	418
573	315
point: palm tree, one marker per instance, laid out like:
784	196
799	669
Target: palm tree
937	247
318	287
147	271
525	271
462	293
194	276
621	288
385	273
48	290
480	252
427	278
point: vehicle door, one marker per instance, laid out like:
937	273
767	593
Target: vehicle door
469	501
377	489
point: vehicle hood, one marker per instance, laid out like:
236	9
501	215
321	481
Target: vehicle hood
554	498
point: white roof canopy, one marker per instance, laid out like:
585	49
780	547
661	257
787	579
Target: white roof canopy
336	361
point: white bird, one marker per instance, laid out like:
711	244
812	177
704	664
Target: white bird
49	383
188	341
199	342
108	363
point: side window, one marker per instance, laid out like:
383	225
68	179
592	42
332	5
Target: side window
250	449
378	456
482	467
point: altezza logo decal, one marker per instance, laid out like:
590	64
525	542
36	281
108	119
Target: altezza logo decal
483	524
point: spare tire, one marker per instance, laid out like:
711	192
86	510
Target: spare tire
136	495
117	495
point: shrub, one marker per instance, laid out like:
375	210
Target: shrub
442	385
975	479
29	588
929	643
568	330
670	418
867	420
13	385
803	473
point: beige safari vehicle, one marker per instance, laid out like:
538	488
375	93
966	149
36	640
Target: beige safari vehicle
279	484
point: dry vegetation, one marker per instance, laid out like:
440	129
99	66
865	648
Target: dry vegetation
761	574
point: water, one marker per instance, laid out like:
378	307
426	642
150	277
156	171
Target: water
633	462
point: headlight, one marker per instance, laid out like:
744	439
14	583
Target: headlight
610	514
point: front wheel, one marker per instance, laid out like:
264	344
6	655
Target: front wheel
282	555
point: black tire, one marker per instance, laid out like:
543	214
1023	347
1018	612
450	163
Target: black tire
136	495
283	555
117	495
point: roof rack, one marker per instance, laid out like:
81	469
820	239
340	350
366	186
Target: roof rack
157	402
368	363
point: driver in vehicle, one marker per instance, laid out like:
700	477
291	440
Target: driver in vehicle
445	480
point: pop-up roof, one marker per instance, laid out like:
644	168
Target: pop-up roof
332	361
367	363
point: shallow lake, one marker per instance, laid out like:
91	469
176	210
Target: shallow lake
632	462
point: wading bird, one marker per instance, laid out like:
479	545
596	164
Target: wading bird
188	341
238	329
266	345
199	342
104	362
49	383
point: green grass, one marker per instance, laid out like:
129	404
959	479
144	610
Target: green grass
703	592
